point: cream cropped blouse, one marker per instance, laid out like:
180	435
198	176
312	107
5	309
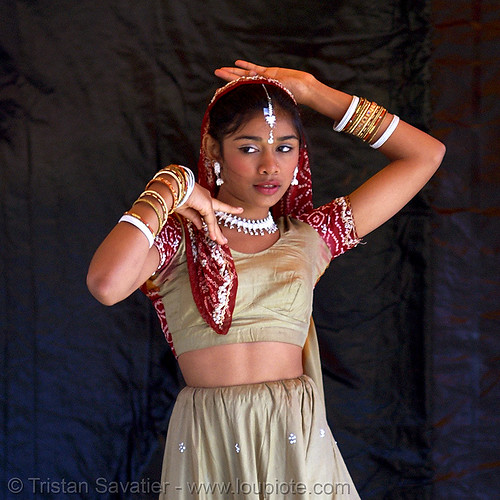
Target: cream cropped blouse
275	288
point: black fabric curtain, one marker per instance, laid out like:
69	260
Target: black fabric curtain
95	97
465	258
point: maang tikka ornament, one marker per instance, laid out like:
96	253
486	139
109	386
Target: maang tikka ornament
218	179
269	116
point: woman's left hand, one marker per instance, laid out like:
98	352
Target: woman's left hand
298	82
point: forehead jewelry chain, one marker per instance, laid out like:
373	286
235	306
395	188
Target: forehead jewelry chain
248	226
269	116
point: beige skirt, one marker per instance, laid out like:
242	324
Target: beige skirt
257	441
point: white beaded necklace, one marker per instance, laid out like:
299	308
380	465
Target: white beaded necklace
248	226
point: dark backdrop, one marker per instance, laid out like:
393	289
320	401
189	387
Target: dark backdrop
97	96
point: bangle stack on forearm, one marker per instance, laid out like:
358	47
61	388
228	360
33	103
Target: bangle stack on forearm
363	119
185	181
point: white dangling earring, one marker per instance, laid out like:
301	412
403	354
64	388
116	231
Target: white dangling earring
295	173
218	178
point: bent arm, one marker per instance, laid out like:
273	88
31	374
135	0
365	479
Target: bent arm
414	155
121	264
125	259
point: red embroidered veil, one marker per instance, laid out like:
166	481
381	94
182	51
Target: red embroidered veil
211	267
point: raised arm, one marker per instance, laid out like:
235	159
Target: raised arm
414	155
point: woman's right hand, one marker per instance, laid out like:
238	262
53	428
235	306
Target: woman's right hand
200	209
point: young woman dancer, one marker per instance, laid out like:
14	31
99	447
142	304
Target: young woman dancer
230	263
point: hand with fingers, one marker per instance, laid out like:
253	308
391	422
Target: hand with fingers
200	209
298	82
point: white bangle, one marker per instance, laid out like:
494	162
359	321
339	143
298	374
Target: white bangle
139	225
189	188
338	127
387	133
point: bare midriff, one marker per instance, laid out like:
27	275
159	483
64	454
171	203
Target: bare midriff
237	364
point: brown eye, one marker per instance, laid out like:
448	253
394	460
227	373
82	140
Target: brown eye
248	149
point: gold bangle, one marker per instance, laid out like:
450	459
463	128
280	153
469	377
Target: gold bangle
152	205
169	172
370	137
362	121
359	113
170	187
366	120
155	195
178	176
354	116
172	190
370	122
